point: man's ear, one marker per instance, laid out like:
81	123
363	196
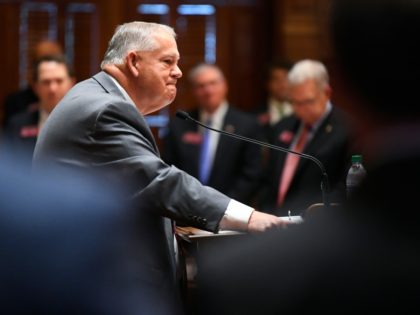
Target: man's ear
133	63
328	91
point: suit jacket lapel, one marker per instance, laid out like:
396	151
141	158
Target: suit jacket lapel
108	85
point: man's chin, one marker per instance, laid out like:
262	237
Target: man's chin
168	102
157	107
170	99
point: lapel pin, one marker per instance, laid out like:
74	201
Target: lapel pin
230	128
328	129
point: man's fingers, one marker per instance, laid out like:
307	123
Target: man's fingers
260	222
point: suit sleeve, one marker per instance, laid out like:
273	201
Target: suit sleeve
125	147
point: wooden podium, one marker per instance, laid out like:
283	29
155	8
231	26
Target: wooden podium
193	243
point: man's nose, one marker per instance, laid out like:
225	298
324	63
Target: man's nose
53	87
177	73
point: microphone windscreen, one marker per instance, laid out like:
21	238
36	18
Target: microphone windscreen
182	115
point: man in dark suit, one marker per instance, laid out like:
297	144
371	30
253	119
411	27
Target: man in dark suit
317	128
99	126
233	167
53	77
22	100
364	258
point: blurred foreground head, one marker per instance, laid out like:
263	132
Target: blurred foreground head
46	47
68	246
378	52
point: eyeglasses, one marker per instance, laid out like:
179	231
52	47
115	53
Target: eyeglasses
307	102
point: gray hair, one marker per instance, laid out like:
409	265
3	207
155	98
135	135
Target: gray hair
137	36
309	70
195	71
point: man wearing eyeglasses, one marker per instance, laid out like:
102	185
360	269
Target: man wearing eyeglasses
316	128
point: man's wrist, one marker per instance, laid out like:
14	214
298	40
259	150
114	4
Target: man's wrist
236	216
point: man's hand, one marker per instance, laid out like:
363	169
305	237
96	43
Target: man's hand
260	222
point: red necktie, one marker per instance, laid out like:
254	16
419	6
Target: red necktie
290	165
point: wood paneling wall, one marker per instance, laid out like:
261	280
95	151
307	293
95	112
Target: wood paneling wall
301	29
84	28
248	34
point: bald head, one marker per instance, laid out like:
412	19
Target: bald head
202	68
47	48
209	86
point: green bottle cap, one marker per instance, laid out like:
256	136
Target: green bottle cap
356	158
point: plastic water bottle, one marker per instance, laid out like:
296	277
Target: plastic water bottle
355	175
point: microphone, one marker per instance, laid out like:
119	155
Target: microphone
325	186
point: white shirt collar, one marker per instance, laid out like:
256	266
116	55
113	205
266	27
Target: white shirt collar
217	117
278	110
315	126
124	92
327	111
43	115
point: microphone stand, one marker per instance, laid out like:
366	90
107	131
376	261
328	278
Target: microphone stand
325	185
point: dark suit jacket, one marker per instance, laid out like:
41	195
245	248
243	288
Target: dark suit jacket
69	246
95	128
262	114
330	144
360	259
20	136
237	166
18	102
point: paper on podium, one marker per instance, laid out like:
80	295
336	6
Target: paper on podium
293	219
192	232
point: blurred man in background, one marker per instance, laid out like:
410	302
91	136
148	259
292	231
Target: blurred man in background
21	100
276	107
53	77
231	166
317	128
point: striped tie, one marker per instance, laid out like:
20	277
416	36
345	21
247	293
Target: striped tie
290	165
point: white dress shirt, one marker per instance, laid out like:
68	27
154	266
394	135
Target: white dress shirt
314	127
278	110
43	115
217	120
